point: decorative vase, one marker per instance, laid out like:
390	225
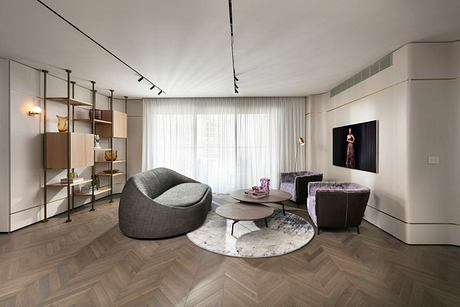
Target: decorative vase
62	123
97	141
265	185
110	155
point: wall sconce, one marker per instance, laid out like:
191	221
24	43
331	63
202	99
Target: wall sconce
35	111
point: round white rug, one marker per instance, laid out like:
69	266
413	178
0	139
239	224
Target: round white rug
251	239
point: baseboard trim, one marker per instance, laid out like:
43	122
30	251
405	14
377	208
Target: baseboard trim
438	234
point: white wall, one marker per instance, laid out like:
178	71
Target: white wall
416	102
26	180
135	128
4	148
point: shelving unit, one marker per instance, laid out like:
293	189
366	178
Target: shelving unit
66	150
113	125
69	150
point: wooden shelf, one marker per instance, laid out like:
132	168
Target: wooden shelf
62	185
97	121
103	149
114	162
97	192
108	175
73	102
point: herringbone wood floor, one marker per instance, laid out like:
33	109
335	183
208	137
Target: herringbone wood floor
90	263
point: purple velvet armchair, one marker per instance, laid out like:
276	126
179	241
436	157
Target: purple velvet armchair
296	183
337	204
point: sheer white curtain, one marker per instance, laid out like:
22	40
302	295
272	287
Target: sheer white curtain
228	143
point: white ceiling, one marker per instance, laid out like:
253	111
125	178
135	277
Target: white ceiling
282	48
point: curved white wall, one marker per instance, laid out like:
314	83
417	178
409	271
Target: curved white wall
416	102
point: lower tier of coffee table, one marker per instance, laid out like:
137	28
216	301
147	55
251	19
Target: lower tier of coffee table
236	221
244	212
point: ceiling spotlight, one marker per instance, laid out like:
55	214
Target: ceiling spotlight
140	79
236	85
152	87
159	93
236	91
236	79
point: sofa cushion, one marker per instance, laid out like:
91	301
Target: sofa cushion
182	195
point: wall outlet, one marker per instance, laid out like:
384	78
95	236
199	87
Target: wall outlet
433	160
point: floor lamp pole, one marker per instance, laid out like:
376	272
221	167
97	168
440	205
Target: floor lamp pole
296	154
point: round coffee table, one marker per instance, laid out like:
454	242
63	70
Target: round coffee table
275	196
244	212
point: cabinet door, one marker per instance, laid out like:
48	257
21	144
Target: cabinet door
82	150
120	125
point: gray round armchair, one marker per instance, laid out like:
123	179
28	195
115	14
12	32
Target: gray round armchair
162	203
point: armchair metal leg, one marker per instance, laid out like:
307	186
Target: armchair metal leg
357	229
317	231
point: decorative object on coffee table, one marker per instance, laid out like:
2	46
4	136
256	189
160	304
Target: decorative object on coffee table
296	183
265	185
252	239
244	212
275	196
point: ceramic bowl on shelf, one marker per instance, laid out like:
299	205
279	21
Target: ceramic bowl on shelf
110	155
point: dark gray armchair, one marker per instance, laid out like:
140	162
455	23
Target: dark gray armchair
337	204
296	183
162	203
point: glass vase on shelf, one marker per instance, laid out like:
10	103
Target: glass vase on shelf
62	123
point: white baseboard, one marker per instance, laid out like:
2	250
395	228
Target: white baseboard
448	234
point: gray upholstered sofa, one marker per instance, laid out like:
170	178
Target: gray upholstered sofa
296	183
337	204
162	203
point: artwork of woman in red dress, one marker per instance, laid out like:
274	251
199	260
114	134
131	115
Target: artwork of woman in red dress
350	162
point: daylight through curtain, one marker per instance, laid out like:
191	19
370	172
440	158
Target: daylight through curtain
228	143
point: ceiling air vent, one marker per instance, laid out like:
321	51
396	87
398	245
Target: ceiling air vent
371	70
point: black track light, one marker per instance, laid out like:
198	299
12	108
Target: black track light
236	91
236	79
160	92
140	79
236	86
152	87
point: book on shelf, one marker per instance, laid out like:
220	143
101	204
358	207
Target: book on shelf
72	180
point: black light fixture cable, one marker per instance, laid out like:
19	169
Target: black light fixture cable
99	44
235	79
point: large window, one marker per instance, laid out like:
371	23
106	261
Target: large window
226	143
